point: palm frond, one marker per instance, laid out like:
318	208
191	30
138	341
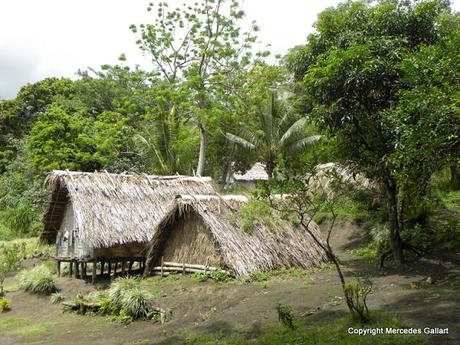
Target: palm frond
296	128
303	143
240	141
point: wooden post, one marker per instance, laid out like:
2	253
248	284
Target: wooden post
83	270
109	268
102	267
58	267
71	268
130	266
183	268
77	271
162	263
123	267
93	278
206	267
115	268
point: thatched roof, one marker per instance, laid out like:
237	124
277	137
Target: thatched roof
256	173
269	245
113	209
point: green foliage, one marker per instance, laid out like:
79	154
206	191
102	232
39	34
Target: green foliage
11	256
285	315
4	304
200	277
220	276
259	276
38	280
277	132
254	213
125	301
57	297
310	332
369	253
356	293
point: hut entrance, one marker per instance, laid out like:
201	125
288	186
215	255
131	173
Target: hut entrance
188	241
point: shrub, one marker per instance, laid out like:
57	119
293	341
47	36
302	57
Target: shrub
220	276
285	315
4	304
38	280
356	294
10	259
57	297
200	277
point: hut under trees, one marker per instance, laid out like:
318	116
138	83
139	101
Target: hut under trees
107	219
206	232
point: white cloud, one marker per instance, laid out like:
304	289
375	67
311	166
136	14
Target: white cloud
57	37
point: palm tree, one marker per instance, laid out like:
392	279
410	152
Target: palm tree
278	133
156	141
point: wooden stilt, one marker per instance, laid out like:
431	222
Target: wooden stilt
71	268
123	267
102	267
130	267
109	267
115	265
83	270
93	278
77	271
58	268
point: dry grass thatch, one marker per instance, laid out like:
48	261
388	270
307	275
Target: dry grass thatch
112	209
256	173
265	247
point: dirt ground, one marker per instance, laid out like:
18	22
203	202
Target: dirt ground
246	307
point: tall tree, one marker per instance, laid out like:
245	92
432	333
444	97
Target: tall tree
199	47
351	73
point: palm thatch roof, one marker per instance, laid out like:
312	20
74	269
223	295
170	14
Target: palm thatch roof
270	244
256	173
113	209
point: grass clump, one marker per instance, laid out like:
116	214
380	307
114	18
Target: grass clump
217	276
369	253
38	280
57	297
4	304
124	301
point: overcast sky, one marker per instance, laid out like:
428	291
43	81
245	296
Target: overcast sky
46	38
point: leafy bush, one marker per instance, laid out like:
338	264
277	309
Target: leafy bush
57	297
38	280
285	315
200	277
10	259
369	253
356	294
220	276
4	304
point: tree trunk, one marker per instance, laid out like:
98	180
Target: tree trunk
395	238
454	176
202	156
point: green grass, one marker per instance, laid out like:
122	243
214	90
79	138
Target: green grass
368	253
34	329
309	333
451	200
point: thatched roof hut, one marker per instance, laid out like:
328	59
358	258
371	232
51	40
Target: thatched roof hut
206	230
256	173
91	211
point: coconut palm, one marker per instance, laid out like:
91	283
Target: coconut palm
278	133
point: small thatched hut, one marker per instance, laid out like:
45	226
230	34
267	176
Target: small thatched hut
204	230
109	218
249	179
